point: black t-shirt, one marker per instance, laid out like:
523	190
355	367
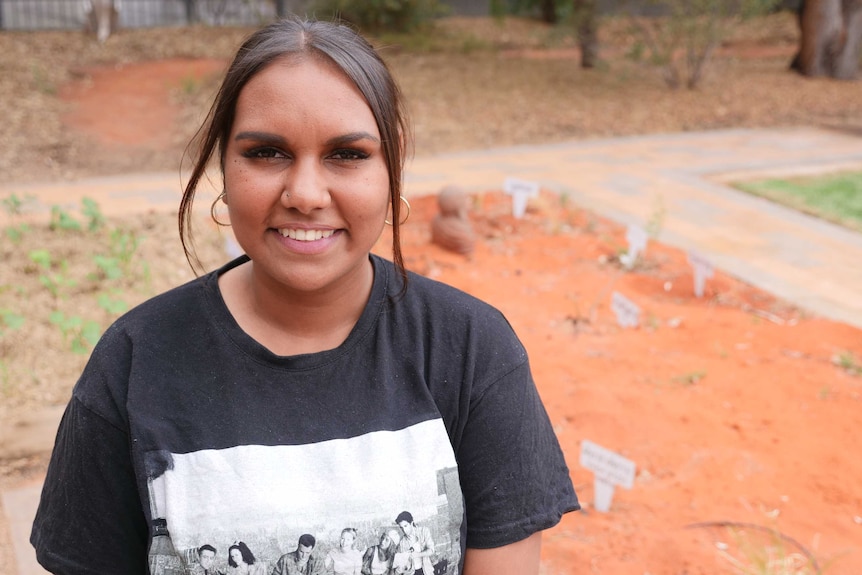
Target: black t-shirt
184	431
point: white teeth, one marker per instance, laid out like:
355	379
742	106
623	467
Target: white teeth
305	235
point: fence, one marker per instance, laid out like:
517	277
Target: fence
72	14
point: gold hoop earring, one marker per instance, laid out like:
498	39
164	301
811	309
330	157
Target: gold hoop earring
220	197
407	205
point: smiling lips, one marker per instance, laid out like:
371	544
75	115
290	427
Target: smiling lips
306	235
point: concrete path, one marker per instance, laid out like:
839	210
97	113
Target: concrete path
816	265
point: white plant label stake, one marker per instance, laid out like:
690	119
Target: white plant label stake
702	271
609	469
627	312
521	191
637	238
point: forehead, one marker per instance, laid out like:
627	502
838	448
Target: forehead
306	85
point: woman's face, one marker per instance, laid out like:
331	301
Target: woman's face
346	540
236	555
306	182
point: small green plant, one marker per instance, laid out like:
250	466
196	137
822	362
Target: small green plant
111	305
93	213
108	266
13	205
123	246
63	220
690	378
189	85
79	334
52	280
10	321
16	233
14	208
847	361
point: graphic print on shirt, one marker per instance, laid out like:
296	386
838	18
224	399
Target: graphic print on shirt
283	509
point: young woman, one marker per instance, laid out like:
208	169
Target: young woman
327	371
345	559
241	561
378	559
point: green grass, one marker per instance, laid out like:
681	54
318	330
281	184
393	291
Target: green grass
834	197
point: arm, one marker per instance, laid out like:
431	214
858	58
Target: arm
89	497
426	544
520	558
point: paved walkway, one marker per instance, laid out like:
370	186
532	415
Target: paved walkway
816	265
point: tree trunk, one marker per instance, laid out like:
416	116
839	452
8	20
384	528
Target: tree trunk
831	38
587	28
549	11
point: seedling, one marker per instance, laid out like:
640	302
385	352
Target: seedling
16	233
847	361
689	378
123	246
110	305
79	334
14	208
63	220
90	210
52	281
10	321
109	266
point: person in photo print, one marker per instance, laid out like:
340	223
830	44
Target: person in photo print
416	544
301	561
206	562
328	370
345	559
241	561
377	559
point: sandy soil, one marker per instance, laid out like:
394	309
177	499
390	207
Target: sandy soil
735	407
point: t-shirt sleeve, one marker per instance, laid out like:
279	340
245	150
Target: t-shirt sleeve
90	518
513	473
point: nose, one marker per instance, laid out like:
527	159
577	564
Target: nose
306	187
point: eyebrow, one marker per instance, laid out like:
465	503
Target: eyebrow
342	139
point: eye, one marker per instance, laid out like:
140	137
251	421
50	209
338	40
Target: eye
348	154
263	153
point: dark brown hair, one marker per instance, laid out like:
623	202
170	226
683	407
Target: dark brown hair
350	53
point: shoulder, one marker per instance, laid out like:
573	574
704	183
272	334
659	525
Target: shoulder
450	332
159	327
167	309
435	301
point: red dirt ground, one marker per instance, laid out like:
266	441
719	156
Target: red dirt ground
731	405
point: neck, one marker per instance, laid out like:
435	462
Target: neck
290	322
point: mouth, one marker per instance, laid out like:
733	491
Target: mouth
305	235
